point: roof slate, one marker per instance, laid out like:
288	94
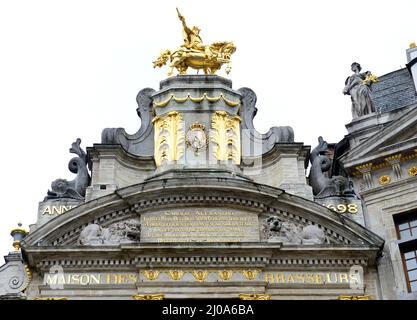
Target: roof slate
393	91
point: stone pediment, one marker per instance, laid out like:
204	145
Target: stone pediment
397	137
236	210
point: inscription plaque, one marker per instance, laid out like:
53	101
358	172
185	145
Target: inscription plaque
200	225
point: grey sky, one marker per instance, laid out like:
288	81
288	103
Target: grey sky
69	69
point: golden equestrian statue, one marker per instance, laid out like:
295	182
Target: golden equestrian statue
194	54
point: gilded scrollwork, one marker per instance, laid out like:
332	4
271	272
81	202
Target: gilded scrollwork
151	274
225	274
254	296
225	135
148	297
200	275
50	298
176	274
366	297
169	137
250	274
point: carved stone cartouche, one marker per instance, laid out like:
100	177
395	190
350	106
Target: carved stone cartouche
322	185
74	189
276	230
120	232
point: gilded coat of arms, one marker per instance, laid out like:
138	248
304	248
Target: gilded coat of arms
196	138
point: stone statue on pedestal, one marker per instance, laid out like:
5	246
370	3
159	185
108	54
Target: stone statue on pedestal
358	86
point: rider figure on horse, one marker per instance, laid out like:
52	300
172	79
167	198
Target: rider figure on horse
192	39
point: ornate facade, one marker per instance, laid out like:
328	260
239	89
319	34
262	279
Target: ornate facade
198	204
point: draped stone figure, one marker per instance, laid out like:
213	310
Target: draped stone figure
358	86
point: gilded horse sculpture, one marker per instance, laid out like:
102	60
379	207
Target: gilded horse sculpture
194	54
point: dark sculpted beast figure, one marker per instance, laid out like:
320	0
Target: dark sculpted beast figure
322	185
74	189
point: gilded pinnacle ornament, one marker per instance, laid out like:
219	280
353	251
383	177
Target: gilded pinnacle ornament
18	234
193	53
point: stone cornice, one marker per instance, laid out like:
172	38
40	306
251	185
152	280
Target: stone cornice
369	149
265	255
282	150
116	151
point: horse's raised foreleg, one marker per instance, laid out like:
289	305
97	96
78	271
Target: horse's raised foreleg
174	64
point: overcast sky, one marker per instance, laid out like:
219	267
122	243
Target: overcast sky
69	69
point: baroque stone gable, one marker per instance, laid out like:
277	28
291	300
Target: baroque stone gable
260	201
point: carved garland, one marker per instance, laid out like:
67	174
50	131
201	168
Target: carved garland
165	102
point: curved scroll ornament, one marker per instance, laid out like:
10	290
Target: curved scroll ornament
15	276
248	110
74	189
169	137
225	135
141	141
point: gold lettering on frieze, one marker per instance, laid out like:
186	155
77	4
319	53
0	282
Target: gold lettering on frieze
85	279
51	210
200	225
310	278
202	275
343	208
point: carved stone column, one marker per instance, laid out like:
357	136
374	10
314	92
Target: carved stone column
365	169
394	161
